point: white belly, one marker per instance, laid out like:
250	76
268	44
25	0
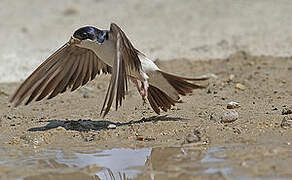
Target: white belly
147	64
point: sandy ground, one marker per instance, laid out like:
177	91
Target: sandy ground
257	144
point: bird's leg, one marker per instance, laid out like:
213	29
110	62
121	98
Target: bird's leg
144	89
144	86
137	85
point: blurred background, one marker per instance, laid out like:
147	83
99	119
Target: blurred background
198	29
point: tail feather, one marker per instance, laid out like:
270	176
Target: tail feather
180	84
160	95
159	100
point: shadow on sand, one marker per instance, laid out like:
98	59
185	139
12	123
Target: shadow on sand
87	125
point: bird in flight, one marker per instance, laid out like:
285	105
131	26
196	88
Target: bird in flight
91	51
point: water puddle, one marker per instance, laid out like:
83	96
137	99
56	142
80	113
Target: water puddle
149	163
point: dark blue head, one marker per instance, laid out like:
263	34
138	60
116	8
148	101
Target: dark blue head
91	33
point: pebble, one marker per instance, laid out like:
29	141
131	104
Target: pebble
229	116
233	105
231	77
286	122
60	128
192	138
112	126
85	92
240	86
286	111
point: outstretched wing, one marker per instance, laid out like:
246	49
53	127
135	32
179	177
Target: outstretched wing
70	66
126	62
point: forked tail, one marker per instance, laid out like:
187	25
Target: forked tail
165	93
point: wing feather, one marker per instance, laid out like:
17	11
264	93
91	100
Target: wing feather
69	66
37	74
87	70
64	82
126	62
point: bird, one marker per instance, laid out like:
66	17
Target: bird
90	52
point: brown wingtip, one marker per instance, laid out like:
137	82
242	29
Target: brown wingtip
181	84
11	101
14	100
159	100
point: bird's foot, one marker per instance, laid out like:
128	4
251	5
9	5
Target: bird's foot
143	89
140	89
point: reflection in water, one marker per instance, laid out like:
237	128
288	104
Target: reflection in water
209	158
155	163
124	161
187	162
182	163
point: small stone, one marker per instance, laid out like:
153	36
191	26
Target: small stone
243	164
192	138
229	116
60	128
231	77
140	138
286	122
85	92
233	105
240	86
112	126
286	111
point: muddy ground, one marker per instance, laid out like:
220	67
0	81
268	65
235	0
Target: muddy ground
258	144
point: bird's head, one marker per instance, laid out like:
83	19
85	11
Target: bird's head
88	34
